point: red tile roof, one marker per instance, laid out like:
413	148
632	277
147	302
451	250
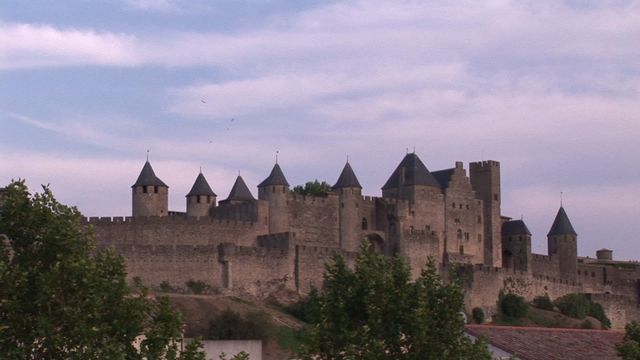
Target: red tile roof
529	343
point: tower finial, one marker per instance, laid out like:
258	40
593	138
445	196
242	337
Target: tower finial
561	199
347	157
200	169
407	150
277	152
147	154
414	148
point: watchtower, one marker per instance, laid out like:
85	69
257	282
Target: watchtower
275	190
349	192
150	195
485	181
562	242
201	198
516	246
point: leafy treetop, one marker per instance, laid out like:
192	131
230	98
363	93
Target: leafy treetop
313	188
376	312
62	298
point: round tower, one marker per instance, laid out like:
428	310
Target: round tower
150	195
275	190
201	198
349	192
563	244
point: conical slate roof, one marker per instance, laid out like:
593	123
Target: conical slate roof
201	187
347	178
443	177
275	178
561	225
148	178
415	173
240	191
515	227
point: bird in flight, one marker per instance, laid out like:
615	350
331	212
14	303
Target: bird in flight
204	102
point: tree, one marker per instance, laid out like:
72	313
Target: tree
376	312
313	188
62	298
630	348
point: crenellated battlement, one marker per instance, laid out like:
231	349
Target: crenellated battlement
169	220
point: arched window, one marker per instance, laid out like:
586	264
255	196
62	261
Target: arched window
365	224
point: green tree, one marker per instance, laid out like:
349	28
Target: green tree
313	188
630	348
376	312
62	298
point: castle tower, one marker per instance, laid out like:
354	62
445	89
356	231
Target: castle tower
349	192
201	198
239	193
562	243
516	246
485	181
275	190
150	194
409	180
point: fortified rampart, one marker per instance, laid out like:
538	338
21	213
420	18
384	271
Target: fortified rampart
284	239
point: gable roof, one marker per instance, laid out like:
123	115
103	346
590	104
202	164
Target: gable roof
515	227
347	178
562	225
443	177
201	187
415	173
148	178
529	343
275	178
240	191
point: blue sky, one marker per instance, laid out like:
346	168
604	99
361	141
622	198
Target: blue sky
549	89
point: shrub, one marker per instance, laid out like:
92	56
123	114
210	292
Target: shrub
543	302
478	315
512	305
197	287
586	324
579	306
229	325
573	305
306	309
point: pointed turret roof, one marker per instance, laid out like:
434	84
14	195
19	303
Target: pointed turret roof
515	227
201	187
347	178
415	173
148	178
240	191
561	225
443	176
275	178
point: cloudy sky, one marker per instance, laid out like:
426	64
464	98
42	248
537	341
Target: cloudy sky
549	89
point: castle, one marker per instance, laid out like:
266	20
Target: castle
283	239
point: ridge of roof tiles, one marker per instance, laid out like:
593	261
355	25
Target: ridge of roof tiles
201	187
415	173
562	224
275	178
148	178
347	178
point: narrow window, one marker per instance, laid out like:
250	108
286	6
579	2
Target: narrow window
460	206
467	206
155	189
144	189
461	250
479	219
273	189
453	205
208	199
459	234
495	197
198	199
365	224
479	238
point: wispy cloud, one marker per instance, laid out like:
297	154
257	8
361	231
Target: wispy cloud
30	45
